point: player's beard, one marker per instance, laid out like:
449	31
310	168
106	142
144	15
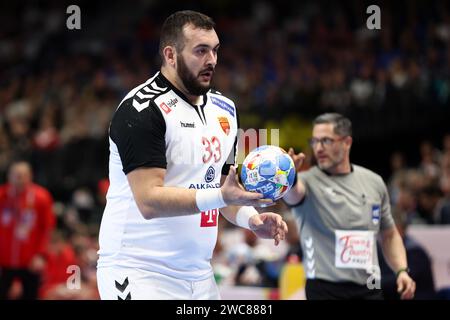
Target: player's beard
190	81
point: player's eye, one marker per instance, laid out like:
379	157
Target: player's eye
201	51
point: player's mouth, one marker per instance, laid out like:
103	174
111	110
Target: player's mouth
206	75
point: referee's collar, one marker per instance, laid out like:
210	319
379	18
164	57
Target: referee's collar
338	174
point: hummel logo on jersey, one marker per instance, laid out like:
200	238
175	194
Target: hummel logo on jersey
187	124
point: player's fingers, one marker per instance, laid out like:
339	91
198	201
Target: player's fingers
260	203
249	196
281	231
277	239
275	229
232	173
285	227
231	177
278	221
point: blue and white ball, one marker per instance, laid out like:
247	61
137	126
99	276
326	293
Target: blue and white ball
268	170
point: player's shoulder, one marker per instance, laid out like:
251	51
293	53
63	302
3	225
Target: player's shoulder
143	96
139	104
219	100
138	109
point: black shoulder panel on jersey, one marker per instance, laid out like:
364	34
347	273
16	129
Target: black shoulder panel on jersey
232	156
139	136
215	91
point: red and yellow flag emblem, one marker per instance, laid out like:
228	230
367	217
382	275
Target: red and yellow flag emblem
224	124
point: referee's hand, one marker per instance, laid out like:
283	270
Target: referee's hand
406	286
297	158
234	194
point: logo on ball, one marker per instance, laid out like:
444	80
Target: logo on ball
268	170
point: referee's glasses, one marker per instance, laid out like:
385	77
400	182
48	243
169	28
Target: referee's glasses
325	142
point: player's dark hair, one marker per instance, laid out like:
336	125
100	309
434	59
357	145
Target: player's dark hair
172	29
342	126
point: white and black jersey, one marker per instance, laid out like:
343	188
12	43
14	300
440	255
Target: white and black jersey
156	126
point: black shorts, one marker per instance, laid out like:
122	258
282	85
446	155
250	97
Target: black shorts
317	289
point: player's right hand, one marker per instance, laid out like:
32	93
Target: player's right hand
234	194
297	158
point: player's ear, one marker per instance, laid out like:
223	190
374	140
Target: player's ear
169	53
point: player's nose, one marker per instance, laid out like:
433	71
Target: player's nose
211	59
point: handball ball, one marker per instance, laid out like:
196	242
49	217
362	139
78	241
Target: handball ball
268	170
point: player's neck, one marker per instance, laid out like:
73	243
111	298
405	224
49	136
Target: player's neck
177	83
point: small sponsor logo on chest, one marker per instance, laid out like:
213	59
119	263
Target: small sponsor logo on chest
187	124
168	105
172	103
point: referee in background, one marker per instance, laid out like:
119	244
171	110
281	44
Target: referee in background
340	208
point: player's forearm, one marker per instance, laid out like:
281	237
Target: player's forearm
394	250
230	213
167	202
160	201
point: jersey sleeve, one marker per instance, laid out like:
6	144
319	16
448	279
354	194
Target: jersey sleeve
387	221
139	136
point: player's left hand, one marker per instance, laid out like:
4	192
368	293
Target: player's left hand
405	286
269	225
